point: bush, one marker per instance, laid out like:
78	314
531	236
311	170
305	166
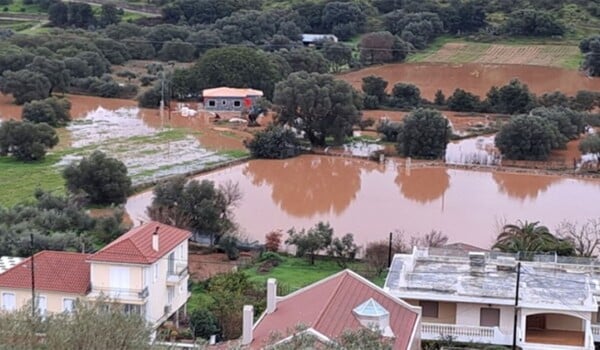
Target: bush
389	130
463	101
147	80
371	102
229	245
590	144
272	257
204	323
406	95
52	110
366	123
275	142
103	179
273	241
26	141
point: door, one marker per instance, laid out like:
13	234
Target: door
536	322
119	281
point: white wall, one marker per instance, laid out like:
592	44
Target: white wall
469	314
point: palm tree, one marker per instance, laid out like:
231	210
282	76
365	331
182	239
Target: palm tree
528	238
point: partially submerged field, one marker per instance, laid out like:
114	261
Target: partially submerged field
150	146
477	78
563	56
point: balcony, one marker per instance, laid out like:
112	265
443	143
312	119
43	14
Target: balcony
120	294
486	335
176	274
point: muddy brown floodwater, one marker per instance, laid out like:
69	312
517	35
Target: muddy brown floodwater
475	77
371	200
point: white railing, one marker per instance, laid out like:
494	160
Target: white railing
596	330
456	330
461	333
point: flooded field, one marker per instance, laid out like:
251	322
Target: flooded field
370	200
474	77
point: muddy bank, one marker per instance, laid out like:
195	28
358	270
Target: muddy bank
475	77
370	199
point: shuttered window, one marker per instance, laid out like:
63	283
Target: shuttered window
489	317
430	308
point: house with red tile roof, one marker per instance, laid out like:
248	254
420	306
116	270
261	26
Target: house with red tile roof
145	269
60	279
327	308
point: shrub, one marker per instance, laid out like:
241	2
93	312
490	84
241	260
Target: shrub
528	137
272	257
389	130
366	123
273	241
463	101
424	134
204	323
147	80
275	142
229	245
590	144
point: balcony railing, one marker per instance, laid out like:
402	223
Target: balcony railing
176	274
491	335
120	293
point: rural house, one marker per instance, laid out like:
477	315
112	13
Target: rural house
344	301
314	39
60	279
145	269
471	297
229	99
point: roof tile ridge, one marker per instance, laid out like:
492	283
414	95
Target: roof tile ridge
331	297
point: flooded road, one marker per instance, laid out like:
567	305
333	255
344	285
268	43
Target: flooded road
475	77
370	200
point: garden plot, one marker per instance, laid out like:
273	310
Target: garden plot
148	153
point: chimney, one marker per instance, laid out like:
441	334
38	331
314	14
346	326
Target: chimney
247	324
155	240
477	263
271	295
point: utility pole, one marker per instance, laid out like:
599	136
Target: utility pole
390	251
162	98
32	277
514	344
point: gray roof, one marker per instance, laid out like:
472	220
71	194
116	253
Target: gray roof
7	262
451	277
311	38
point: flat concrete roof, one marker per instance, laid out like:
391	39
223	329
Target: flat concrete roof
437	275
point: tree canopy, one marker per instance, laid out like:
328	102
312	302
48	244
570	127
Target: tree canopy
103	179
25	85
53	111
274	142
528	238
528	137
424	134
317	104
25	140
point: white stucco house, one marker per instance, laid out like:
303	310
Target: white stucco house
472	297
145	269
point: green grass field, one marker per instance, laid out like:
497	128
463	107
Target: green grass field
20	179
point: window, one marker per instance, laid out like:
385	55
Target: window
237	103
41	304
224	102
155	266
211	103
131	309
171	264
170	295
430	308
489	317
68	305
9	301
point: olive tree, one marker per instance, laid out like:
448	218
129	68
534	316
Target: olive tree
424	134
274	142
590	47
25	85
317	104
103	179
527	137
309	243
53	111
26	141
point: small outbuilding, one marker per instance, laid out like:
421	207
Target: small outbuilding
230	99
313	39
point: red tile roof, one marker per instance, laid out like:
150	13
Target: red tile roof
54	271
326	306
135	246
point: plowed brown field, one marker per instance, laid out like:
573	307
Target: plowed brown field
474	77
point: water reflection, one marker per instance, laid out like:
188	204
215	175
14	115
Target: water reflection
422	184
522	187
307	186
